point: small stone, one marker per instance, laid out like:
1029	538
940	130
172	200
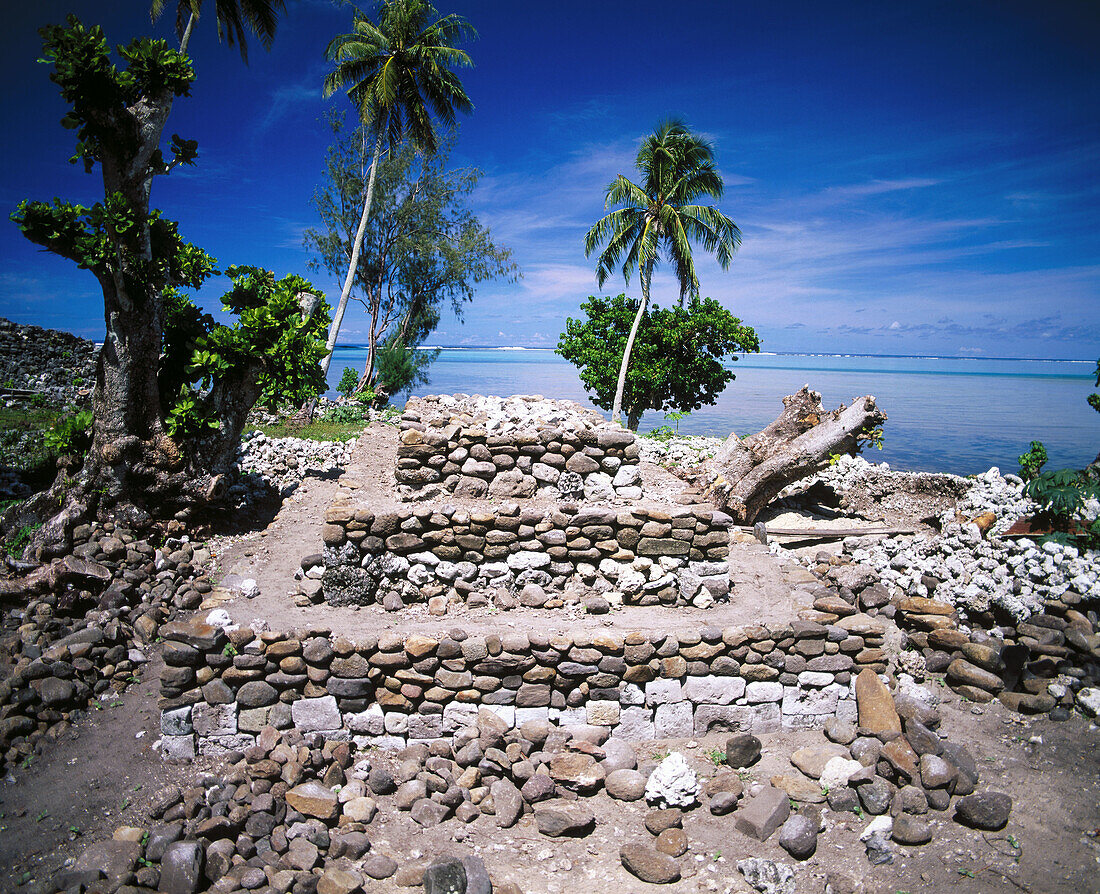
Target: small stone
673	842
875	705
962	672
837	772
742	750
625	785
338	881
428	813
843	800
181	868
935	772
649	864
988	811
446	875
876	796
361	810
564	818
840	731
539	787
798	836
813	760
659	820
577	772
508	803
313	799
722	803
477	876
379	866
767	876
764	813
910	830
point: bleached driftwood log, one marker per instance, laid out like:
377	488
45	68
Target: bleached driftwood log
747	474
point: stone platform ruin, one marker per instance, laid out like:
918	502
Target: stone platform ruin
523	560
541	505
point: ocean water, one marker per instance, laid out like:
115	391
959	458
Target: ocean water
955	415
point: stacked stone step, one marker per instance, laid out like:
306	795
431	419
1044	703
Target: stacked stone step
572	453
221	687
425	551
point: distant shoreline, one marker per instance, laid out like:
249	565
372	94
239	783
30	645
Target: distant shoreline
853	354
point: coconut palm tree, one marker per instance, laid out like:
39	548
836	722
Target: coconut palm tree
658	216
234	18
398	73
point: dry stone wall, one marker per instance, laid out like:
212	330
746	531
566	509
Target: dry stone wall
222	686
47	361
514	448
647	556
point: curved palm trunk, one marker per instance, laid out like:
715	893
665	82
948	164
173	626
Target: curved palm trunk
617	407
356	248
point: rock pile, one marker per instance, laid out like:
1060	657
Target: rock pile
302	811
677	451
56	364
1004	618
56	654
514	447
282	463
979	572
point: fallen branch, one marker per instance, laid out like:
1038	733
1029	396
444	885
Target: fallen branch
748	474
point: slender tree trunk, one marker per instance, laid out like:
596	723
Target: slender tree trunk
186	39
617	407
356	248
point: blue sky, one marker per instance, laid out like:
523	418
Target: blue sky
910	178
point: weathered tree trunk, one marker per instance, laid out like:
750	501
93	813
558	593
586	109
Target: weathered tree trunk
353	264
747	474
617	405
130	448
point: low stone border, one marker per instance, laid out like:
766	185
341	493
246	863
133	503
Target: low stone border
220	687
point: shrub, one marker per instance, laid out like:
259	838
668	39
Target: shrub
1061	496
1032	461
349	381
71	436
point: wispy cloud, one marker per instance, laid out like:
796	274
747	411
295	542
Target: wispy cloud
287	99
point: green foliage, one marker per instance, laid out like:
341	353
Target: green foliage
70	435
346	415
423	249
401	367
16	543
349	381
716	756
1094	399
99	93
1061	495
676	363
1033	460
272	340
